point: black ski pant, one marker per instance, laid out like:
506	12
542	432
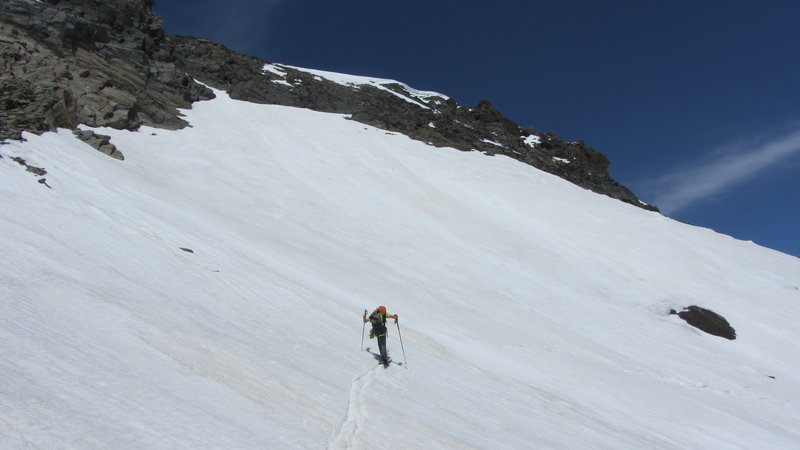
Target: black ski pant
382	347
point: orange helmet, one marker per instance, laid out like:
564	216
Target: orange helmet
382	309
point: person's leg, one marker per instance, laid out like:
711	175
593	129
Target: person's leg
382	347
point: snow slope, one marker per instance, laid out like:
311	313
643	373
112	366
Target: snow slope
534	314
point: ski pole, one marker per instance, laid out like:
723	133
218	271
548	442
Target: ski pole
363	329
405	361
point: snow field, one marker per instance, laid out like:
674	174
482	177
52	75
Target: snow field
534	314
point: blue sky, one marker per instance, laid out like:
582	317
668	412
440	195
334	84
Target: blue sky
696	104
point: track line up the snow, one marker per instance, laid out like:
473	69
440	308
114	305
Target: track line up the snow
354	418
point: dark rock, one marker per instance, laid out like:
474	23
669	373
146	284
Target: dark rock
74	62
100	142
38	171
485	113
707	320
32	169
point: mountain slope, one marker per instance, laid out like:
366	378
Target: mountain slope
533	313
110	64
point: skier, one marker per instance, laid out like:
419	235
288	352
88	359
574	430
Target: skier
378	321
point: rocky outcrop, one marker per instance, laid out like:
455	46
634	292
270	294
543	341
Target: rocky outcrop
74	62
71	62
100	142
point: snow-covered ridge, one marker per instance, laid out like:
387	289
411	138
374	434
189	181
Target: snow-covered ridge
356	81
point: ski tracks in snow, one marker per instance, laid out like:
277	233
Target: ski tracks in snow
343	437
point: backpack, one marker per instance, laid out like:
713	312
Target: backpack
378	323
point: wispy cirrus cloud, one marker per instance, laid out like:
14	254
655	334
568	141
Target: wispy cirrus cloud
725	169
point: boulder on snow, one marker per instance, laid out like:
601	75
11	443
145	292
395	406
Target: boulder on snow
707	320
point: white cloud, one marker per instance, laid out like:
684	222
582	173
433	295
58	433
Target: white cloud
726	168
